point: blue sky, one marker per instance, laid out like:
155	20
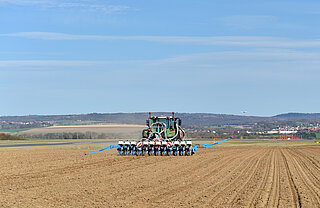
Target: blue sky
218	56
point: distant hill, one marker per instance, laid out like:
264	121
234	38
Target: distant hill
188	119
298	116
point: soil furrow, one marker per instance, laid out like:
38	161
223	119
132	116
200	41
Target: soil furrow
294	190
307	187
247	176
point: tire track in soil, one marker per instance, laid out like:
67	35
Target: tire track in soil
312	154
225	181
222	177
262	193
202	181
177	182
310	189
158	191
241	193
205	168
294	190
213	178
265	172
273	199
201	168
309	166
143	189
227	190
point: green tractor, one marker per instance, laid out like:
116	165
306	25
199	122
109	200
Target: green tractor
164	136
163	128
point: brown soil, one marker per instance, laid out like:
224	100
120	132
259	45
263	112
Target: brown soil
101	128
111	130
219	177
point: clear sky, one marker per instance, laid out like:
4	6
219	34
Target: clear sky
217	56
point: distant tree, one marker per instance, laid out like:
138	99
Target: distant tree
9	137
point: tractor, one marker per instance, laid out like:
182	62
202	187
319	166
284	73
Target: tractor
163	136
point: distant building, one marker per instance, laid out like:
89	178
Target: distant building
273	132
287	132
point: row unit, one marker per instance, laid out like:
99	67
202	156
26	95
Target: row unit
155	143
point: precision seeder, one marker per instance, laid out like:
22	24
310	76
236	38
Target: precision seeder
164	136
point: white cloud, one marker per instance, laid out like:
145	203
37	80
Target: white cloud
49	63
253	60
24	2
90	6
248	21
277	61
240	41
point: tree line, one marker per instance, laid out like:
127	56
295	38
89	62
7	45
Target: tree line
70	135
4	136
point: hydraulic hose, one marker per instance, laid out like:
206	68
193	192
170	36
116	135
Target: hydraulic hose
177	133
159	133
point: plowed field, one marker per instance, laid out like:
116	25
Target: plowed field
219	177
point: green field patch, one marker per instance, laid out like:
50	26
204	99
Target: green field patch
265	142
71	122
221	126
15	130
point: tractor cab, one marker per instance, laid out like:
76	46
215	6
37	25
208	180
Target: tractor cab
161	126
158	123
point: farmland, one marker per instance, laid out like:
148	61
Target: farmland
235	173
100	130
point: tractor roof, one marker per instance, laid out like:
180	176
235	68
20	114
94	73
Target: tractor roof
164	117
